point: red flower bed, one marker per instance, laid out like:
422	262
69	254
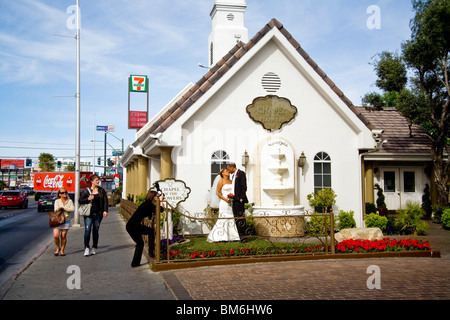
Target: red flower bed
355	246
346	246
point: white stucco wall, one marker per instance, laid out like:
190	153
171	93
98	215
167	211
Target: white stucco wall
222	123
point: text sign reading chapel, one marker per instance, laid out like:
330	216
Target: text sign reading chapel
175	191
272	112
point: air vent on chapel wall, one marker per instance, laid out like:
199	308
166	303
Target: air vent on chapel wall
271	82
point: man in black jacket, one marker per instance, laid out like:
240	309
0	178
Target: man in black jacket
240	198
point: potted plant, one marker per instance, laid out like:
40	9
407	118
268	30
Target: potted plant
381	205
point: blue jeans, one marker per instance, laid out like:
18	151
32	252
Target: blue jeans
93	220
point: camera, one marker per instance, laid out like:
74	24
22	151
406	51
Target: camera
158	189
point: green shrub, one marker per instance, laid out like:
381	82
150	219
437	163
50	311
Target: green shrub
380	199
373	220
409	220
316	225
426	201
446	218
346	220
390	227
140	199
322	200
438	209
370	208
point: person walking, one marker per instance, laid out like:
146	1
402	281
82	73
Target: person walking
62	202
136	229
99	210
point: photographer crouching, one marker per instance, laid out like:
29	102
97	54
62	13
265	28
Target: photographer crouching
136	229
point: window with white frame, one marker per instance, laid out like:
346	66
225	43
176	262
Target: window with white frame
219	160
322	171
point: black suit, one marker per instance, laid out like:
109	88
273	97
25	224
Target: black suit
240	198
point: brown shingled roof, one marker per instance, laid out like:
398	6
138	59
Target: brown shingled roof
222	66
400	136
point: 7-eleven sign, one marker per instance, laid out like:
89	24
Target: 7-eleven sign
138	83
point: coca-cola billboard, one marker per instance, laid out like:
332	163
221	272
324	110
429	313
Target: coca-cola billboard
52	181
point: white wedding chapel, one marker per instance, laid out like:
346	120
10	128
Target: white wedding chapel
266	105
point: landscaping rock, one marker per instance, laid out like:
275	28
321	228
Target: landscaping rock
359	234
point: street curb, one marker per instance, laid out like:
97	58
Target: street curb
9	283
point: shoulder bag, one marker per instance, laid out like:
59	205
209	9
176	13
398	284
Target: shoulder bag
85	209
56	218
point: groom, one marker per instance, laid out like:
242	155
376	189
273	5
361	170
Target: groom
240	198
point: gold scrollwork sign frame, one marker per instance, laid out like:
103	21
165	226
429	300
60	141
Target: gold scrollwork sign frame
271	111
175	191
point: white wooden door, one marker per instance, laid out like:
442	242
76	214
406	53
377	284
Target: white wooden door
401	185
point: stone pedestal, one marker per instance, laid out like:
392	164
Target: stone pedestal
282	222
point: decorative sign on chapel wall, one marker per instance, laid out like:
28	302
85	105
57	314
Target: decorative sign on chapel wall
271	111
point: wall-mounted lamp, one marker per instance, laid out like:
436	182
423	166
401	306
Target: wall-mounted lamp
245	159
302	161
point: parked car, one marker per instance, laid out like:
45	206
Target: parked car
28	190
13	198
47	202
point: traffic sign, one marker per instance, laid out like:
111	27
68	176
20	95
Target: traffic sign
106	128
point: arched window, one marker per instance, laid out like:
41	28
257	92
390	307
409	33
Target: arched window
322	171
219	160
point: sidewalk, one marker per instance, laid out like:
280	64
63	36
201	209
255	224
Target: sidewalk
104	276
108	275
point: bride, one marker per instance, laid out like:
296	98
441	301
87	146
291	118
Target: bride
224	229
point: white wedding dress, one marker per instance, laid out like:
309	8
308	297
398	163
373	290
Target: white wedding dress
224	229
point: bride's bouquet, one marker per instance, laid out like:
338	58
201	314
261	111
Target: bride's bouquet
231	197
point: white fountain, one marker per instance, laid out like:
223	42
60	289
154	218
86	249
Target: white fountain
284	217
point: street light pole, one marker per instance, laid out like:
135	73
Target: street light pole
77	152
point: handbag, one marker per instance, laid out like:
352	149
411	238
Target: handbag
56	218
85	209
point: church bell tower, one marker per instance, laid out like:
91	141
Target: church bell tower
227	28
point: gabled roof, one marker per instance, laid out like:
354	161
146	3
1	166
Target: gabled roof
179	107
400	135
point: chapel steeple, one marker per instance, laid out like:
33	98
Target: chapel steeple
227	28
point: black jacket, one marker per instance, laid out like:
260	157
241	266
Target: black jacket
147	209
240	187
84	195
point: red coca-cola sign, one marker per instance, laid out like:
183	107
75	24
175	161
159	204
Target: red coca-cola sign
53	181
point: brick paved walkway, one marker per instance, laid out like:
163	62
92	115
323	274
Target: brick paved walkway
400	278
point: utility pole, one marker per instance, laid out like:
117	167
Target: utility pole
77	151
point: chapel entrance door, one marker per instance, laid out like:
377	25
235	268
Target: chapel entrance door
401	185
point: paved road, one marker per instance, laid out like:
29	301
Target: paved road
22	233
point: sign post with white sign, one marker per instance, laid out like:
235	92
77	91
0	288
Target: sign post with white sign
175	191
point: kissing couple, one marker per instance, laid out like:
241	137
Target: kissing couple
229	195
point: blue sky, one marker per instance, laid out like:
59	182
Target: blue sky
164	39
